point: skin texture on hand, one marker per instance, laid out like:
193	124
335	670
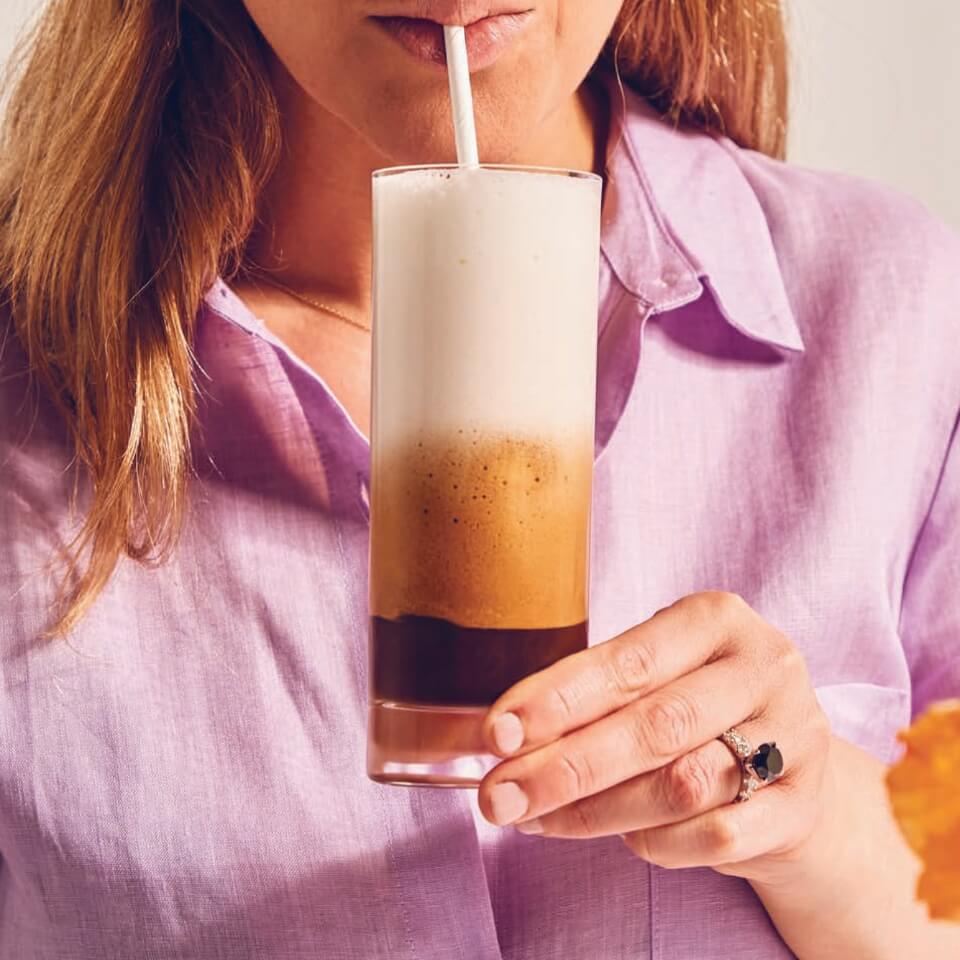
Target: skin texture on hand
622	739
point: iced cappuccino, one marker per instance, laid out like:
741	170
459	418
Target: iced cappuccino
485	299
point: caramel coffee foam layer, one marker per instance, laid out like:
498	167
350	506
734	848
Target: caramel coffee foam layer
482	530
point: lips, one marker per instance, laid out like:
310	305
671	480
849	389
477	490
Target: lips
488	36
449	12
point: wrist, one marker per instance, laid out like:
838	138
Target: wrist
848	889
821	885
818	870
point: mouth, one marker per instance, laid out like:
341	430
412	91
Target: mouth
488	35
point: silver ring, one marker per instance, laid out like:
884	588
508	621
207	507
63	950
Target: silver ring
757	767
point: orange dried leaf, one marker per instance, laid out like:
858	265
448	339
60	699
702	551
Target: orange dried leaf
924	792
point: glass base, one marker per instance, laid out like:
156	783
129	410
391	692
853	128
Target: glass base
427	746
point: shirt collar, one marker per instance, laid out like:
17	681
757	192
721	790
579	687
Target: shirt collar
680	215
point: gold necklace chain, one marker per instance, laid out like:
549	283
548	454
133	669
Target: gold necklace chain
310	302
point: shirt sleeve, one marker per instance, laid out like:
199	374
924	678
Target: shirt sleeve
930	615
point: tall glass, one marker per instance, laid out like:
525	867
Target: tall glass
484	383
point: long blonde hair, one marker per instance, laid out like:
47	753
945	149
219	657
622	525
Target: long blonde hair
136	140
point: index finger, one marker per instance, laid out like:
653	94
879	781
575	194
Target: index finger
588	685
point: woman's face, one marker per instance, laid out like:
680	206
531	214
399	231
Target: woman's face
378	65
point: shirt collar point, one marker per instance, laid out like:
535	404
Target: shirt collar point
686	192
774	325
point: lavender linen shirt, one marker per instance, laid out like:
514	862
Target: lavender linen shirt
779	384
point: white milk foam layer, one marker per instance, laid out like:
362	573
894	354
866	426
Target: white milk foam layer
485	303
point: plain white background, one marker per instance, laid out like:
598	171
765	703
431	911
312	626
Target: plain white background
876	90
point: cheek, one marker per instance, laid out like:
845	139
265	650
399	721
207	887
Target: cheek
301	33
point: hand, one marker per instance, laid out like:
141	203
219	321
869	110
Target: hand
621	739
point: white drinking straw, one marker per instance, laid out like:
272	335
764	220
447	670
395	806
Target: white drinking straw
461	97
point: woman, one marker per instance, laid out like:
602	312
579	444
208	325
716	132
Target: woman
185	253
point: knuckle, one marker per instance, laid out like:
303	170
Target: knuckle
817	727
668	725
577	774
720	604
792	661
784	677
632	667
688	786
723	838
730	605
820	723
769	663
783	644
561	706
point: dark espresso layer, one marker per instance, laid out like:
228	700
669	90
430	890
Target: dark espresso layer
423	660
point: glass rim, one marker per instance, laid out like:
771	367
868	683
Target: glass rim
505	167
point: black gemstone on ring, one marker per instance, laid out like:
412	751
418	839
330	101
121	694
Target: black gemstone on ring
767	761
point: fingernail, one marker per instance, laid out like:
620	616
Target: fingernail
530	826
508	733
507	803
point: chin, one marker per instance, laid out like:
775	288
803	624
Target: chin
408	135
437	146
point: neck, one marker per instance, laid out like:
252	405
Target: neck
314	220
